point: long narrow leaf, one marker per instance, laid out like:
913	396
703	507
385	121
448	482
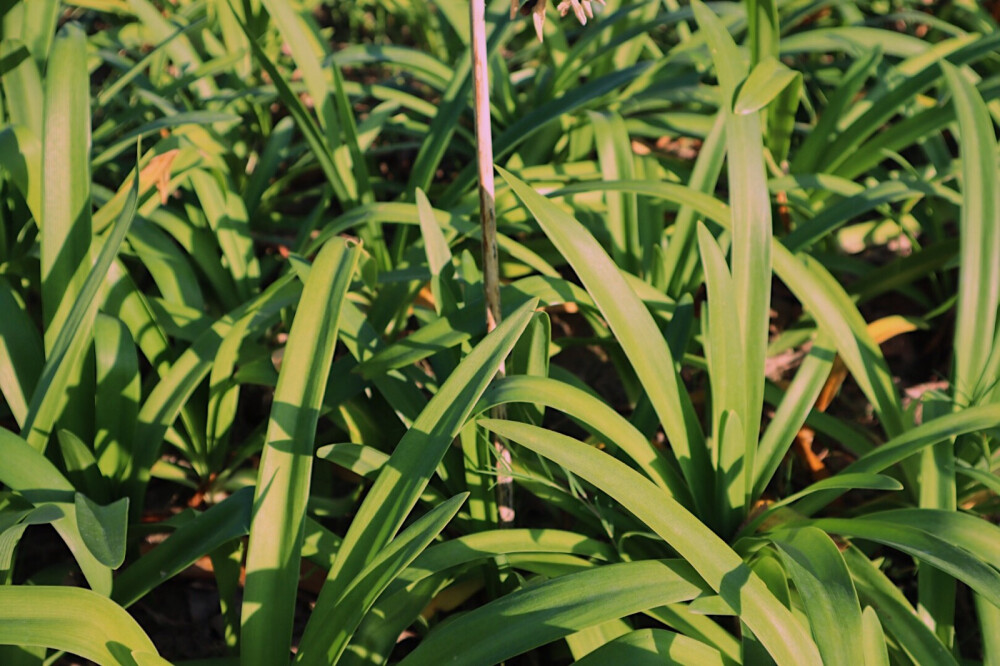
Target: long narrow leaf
824	585
276	529
407	472
65	347
540	614
634	329
979	282
369	584
228	520
723	570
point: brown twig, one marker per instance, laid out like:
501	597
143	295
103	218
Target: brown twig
488	221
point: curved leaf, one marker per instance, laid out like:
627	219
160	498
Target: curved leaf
923	545
713	559
597	416
71	619
228	520
825	588
545	612
653	647
634	329
30	474
766	81
407	472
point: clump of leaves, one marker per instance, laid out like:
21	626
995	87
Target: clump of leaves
262	340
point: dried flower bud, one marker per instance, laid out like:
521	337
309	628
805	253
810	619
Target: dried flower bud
582	10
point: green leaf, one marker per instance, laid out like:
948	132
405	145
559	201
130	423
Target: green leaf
66	348
715	562
223	397
973	419
833	216
21	158
635	330
455	327
730	65
410	592
679	259
155	126
843	481
454	101
530	357
979	234
30	474
724	354
810	152
149	659
896	614
21	353
180	50
22	87
118	395
821	294
143	64
793	411
65	223
595	415
370	583
435	245
228	520
839	318
653	647
965	530
81	468
438	256
548	611
766	81
535	120
103	528
276	529
873	639
363	460
614	152
825	588
330	161
227	218
491	543
12	529
167	399
935	550
587	640
751	236
408	470
76	620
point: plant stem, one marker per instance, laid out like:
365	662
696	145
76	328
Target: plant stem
488	222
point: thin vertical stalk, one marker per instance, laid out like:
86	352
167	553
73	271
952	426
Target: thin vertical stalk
488	221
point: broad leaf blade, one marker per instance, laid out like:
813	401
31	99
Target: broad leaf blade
825	588
30	474
72	619
103	528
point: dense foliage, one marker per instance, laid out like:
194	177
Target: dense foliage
750	255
